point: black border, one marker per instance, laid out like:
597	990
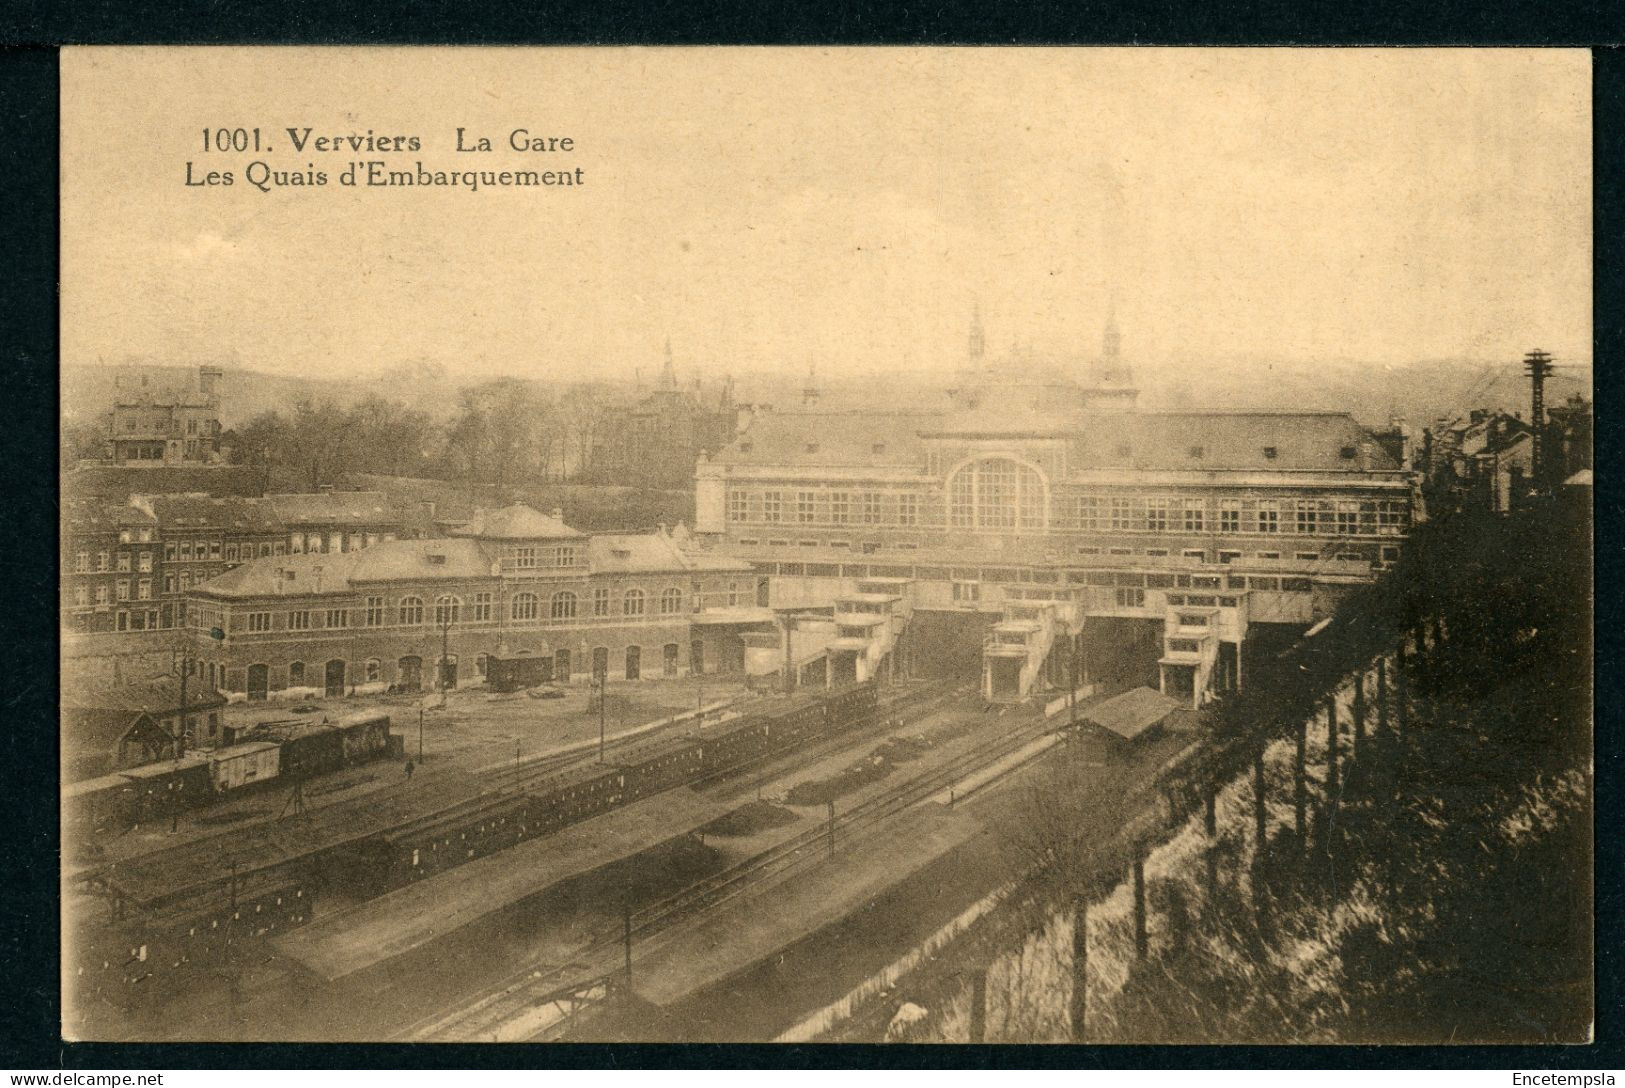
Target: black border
29	928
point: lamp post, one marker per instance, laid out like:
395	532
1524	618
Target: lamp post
444	617
603	713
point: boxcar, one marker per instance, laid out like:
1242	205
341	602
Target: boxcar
100	804
365	736
169	786
243	765
316	750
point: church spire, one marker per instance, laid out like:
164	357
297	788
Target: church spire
809	392
1111	347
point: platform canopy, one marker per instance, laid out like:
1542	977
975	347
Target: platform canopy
1133	713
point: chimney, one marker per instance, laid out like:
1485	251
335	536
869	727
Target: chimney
558	512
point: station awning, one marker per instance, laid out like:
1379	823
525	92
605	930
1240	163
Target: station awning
1133	713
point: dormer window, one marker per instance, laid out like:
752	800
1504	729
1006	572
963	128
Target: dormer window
437	559
812	447
1197	452
879	447
745	447
1122	450
1347	453
1270	452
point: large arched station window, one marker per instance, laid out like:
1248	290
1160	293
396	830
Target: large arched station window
998	493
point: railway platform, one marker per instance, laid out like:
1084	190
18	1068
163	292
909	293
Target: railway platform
745	931
411	917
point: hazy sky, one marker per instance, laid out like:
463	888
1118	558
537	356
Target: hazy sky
765	207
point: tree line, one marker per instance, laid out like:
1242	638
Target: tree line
504	432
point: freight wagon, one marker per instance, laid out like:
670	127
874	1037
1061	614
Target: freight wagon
98	805
365	736
316	749
166	788
244	765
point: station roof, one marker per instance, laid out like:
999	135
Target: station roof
448	559
1153	441
1132	713
874	439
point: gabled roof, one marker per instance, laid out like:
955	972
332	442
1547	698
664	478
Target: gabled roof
91	734
517	522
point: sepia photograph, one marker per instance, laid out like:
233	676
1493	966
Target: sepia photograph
826	545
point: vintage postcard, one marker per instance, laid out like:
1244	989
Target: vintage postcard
826	545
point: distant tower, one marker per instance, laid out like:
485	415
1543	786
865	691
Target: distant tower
208	380
1111	348
978	341
668	373
809	392
1111	383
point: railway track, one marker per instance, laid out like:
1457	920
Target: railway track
524	991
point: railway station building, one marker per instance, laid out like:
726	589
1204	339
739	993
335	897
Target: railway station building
1027	510
402	614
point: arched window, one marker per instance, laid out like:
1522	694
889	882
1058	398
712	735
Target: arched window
411	610
563	605
479	664
997	493
671	601
634	602
296	674
525	606
447	609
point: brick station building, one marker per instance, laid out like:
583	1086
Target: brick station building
511	582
